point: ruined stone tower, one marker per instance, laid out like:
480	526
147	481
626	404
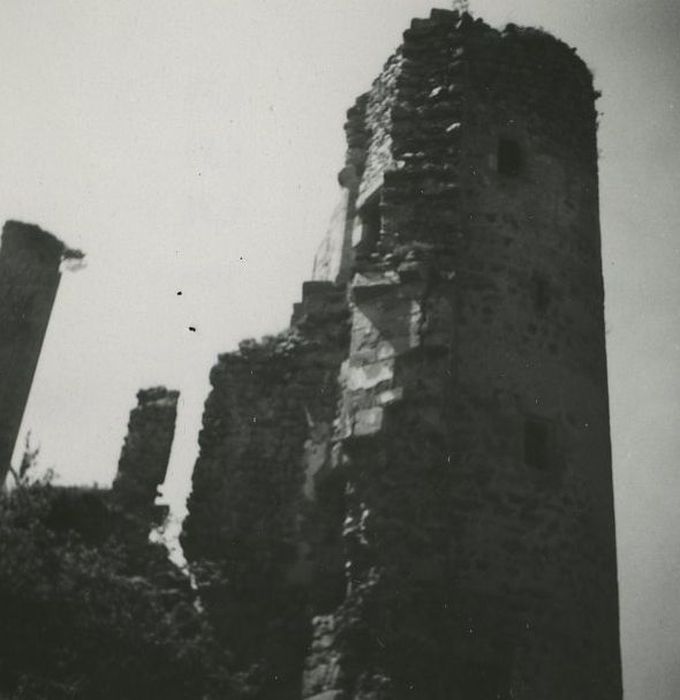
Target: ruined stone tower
29	278
449	422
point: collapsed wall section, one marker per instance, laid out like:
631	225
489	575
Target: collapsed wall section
262	534
144	459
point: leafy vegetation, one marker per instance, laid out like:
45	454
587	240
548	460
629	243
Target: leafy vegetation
82	618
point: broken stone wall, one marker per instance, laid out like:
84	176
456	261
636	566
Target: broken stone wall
29	278
263	530
465	458
144	461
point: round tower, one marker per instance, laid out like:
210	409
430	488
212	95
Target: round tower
474	428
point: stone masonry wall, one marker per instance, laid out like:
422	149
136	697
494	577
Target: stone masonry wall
474	429
263	530
29	278
144	458
409	492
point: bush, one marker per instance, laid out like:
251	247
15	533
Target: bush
82	619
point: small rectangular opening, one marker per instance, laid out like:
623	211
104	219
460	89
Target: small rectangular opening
510	158
371	223
537	443
541	293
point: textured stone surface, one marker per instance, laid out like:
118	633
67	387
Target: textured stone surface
29	278
477	569
144	458
264	511
458	440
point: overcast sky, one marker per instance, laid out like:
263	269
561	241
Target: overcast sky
193	146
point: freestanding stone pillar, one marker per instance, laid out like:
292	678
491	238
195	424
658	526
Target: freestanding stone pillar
29	278
144	458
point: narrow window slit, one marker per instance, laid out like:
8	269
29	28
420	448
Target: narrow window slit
541	293
510	157
371	223
537	444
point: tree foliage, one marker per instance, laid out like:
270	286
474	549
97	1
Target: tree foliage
82	618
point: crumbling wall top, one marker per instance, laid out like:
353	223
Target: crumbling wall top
17	235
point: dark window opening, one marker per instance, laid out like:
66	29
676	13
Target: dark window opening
482	681
537	444
510	157
541	293
371	223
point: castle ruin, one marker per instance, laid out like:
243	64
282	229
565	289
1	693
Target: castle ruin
30	272
409	492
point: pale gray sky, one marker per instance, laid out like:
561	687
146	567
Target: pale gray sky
194	146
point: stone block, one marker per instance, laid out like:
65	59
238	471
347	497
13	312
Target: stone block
368	422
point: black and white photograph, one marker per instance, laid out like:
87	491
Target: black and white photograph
339	350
